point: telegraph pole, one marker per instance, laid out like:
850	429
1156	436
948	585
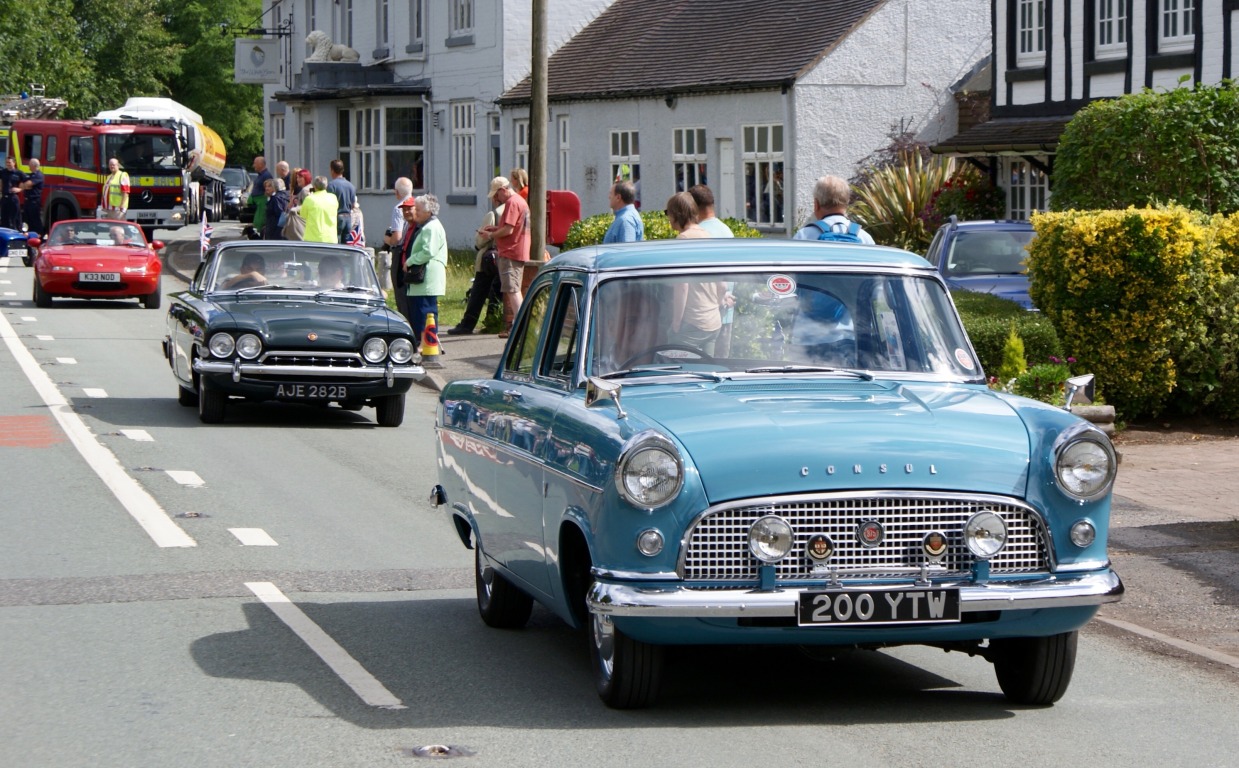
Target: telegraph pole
538	119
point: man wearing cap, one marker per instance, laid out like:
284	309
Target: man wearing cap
512	241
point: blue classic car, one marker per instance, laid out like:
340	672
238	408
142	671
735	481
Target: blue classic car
763	442
984	256
291	321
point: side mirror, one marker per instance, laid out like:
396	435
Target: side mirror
33	242
1085	386
157	245
598	390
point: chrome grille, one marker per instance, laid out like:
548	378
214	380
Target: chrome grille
320	359
717	546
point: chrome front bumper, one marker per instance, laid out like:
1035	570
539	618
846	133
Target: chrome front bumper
679	602
237	369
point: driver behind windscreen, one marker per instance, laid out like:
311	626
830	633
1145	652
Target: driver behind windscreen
253	272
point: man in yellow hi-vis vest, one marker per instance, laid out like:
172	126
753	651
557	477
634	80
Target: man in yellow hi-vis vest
115	191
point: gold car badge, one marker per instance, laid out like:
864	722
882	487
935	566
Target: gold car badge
819	548
934	545
312	336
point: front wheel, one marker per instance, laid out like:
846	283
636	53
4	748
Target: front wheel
627	672
42	298
211	403
186	397
389	410
500	604
1035	670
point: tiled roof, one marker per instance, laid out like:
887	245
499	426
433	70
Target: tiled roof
1032	134
661	47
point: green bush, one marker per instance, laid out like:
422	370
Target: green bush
590	231
969	195
1043	382
1013	362
892	199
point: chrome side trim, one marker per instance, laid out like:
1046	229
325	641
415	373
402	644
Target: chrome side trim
680	602
414	372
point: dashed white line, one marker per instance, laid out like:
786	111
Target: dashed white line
94	392
141	506
140	435
30	319
42	337
354	675
253	537
10	293
66	361
186	477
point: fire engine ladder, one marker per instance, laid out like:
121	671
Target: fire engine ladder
29	106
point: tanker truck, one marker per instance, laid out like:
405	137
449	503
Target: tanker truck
199	153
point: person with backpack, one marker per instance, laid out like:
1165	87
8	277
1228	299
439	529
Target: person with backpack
831	196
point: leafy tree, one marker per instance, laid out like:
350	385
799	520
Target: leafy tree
132	51
38	45
1179	146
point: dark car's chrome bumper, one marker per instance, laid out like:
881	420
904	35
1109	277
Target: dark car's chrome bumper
680	602
237	369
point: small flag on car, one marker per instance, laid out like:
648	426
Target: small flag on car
357	237
204	241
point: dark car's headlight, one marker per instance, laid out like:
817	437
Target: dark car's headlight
221	345
1084	463
249	346
401	350
650	472
374	350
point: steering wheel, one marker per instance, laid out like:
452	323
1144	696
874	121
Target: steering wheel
665	348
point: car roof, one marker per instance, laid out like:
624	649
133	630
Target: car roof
999	224
735	252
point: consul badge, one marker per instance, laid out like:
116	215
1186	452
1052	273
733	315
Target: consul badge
881	469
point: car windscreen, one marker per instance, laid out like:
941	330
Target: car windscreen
745	321
989	253
235	177
293	268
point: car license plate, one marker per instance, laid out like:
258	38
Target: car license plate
878	606
100	277
311	391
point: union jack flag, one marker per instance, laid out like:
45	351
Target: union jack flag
357	237
204	241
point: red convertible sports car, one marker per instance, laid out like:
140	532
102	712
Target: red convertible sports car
96	259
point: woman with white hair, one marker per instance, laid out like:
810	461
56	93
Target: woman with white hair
429	253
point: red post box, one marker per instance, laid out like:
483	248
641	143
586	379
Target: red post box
563	208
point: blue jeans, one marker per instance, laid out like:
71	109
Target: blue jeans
419	307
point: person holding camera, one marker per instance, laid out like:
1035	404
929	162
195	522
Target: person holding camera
394	236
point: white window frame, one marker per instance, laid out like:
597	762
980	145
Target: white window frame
278	142
383	23
346	23
761	149
1111	29
688	157
391	148
311	16
1029	33
417	23
626	152
520	143
370	142
460	22
1028	189
562	127
464	143
1176	25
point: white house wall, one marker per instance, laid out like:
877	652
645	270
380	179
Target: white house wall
895	70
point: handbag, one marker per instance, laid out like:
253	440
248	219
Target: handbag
294	227
415	275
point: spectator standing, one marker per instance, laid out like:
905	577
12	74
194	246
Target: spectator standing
346	195
512	241
485	291
408	212
258	197
710	222
831	196
627	226
281	173
319	211
32	213
696	306
10	205
115	191
429	248
394	234
520	182
277	205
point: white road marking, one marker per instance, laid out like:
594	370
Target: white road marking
66	361
354	675
41	337
140	435
6	282
1183	645
253	537
186	477
141	506
94	392
30	319
10	293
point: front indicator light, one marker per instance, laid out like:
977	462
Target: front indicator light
770	539
1083	533
649	542
985	534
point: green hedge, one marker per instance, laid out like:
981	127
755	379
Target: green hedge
590	231
988	318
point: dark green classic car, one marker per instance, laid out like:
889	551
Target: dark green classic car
291	321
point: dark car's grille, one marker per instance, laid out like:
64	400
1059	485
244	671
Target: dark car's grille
319	359
718	549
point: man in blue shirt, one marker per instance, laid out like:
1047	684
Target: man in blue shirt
342	188
627	227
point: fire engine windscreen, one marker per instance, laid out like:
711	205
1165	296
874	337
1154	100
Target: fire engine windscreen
143	152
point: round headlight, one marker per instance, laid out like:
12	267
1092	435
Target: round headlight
650	472
221	345
985	534
401	350
374	350
1084	467
249	346
649	542
770	539
1083	533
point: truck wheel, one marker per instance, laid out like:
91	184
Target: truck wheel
1035	670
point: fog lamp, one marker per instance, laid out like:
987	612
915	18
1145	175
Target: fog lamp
985	534
1083	533
770	539
649	542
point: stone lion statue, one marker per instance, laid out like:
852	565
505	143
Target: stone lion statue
325	50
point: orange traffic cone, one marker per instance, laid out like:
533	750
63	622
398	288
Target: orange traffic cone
430	341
